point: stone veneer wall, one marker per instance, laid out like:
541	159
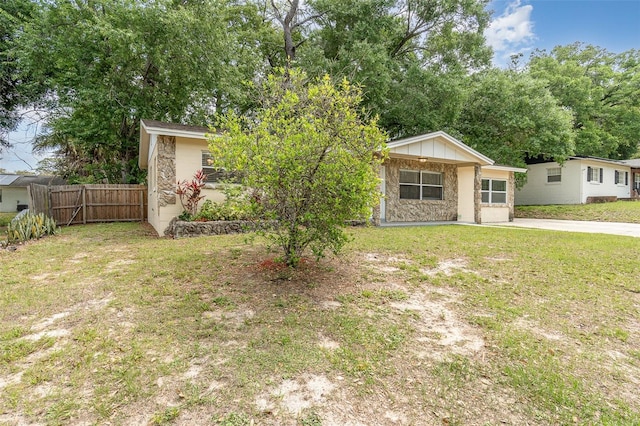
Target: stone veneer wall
182	229
398	210
166	171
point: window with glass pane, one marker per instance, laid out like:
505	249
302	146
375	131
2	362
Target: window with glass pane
407	176
214	175
620	177
416	185
594	174
494	191
409	192
554	175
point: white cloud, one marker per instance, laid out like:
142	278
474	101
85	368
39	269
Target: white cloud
512	30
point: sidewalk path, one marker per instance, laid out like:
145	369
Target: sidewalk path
614	228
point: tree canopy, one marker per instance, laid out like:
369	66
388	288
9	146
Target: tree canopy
102	66
310	157
510	116
602	90
13	15
97	67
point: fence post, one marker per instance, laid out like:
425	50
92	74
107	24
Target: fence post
49	202
84	204
141	205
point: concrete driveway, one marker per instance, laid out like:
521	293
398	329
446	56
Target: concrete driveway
614	228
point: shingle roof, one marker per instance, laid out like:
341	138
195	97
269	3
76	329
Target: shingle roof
24	181
7	179
174	126
635	163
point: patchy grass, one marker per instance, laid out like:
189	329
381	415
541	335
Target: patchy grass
620	211
431	325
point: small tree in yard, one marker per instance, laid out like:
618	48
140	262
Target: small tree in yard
310	156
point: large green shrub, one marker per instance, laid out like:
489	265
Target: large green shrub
29	226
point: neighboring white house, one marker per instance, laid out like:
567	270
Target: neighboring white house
578	181
431	177
14	190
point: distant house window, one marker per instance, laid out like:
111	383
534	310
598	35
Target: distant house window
622	177
494	191
594	174
554	175
214	175
420	185
636	183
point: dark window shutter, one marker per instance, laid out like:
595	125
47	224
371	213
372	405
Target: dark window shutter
615	177
601	174
588	174
626	178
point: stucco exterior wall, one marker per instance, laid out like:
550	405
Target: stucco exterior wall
573	187
174	159
499	212
10	198
398	210
466	191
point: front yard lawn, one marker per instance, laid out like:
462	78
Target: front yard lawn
418	325
620	211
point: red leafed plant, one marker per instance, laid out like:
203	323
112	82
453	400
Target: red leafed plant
189	192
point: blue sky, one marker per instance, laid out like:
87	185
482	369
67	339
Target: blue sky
518	26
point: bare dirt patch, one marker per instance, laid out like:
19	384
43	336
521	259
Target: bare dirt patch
449	267
440	329
295	396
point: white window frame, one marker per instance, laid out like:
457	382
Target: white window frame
422	185
621	178
490	192
554	175
598	172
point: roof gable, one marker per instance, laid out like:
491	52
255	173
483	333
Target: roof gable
438	146
153	128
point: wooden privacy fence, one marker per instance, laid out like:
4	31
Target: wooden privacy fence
75	204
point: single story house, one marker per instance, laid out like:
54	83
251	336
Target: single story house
431	177
579	180
635	176
14	190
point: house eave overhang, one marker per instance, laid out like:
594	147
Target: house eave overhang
601	160
152	128
413	148
505	168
